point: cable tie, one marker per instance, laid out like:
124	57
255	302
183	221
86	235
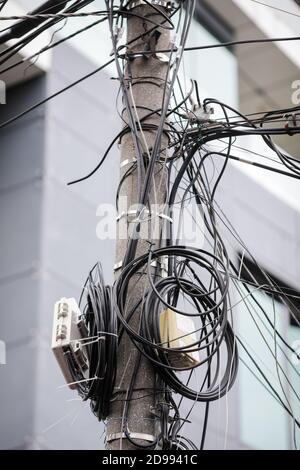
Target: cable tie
178	52
162	57
107	333
80	381
130	213
118	265
120	216
166	217
127	162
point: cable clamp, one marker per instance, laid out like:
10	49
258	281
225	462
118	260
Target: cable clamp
159	3
201	115
132	435
127	162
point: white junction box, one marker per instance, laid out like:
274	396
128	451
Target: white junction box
178	331
67	344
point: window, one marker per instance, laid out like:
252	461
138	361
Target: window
264	424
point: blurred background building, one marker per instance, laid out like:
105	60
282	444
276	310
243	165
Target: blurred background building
48	230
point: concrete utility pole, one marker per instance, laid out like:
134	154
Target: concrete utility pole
145	78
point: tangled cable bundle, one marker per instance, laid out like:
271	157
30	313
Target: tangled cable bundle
100	345
209	306
193	149
184	282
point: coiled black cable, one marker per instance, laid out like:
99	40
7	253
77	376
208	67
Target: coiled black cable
210	307
100	343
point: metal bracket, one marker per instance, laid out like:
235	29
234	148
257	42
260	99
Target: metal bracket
133	435
201	115
158	3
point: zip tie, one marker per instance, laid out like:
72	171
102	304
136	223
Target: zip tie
123	214
127	161
80	381
118	266
166	217
120	216
98	338
178	52
162	57
106	333
132	212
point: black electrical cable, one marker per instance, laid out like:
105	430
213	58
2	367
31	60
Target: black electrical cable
188	283
100	343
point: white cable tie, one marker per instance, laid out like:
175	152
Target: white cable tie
118	266
178	52
107	333
120	216
126	214
80	381
78	340
166	217
162	57
98	338
127	162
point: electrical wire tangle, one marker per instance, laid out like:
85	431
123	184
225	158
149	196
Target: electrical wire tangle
187	284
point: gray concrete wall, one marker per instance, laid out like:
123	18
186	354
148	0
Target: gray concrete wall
21	194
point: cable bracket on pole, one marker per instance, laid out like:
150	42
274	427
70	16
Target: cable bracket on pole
132	435
158	3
